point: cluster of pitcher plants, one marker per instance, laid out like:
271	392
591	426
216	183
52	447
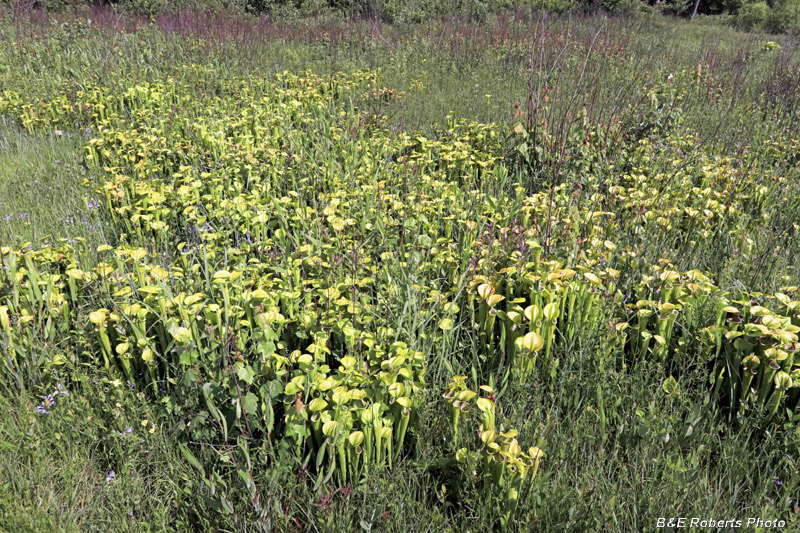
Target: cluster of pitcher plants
261	233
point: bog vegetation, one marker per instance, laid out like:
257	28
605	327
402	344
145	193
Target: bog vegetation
533	274
775	16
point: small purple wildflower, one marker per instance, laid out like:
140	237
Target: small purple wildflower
110	477
49	400
89	225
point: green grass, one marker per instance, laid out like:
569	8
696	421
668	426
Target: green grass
55	469
42	192
622	447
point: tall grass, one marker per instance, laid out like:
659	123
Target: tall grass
551	252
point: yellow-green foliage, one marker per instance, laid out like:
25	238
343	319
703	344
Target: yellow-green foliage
753	348
499	458
262	230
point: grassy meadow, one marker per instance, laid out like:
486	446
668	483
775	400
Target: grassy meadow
533	274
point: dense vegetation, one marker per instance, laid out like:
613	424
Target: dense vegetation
535	273
774	15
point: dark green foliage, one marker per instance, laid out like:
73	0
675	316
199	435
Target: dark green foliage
775	16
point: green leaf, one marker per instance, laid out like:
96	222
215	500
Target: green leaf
191	458
274	388
246	374
670	386
250	403
210	403
213	504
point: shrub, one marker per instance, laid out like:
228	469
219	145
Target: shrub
784	16
753	16
413	11
144	7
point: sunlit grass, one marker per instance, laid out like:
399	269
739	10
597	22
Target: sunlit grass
330	275
43	197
